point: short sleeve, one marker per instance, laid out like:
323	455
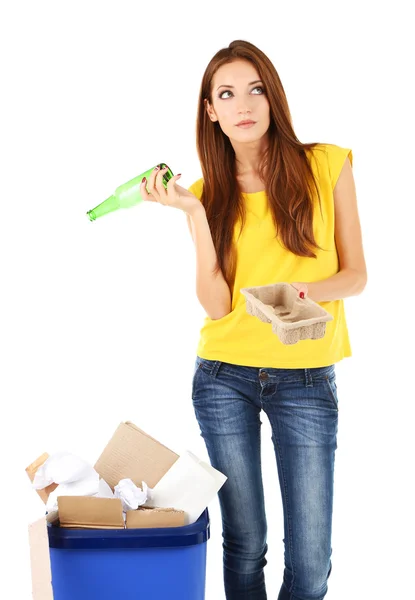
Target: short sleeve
196	188
336	156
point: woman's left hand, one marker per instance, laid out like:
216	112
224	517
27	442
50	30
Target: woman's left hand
302	289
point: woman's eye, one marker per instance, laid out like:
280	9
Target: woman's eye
229	92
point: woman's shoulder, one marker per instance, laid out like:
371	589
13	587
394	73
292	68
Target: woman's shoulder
327	150
329	159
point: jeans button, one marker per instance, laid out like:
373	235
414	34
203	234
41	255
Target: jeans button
263	375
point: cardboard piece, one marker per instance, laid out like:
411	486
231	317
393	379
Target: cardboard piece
31	470
87	512
132	453
145	517
40	561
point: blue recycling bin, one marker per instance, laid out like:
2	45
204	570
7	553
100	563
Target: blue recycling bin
153	563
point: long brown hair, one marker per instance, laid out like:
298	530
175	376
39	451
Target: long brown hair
284	167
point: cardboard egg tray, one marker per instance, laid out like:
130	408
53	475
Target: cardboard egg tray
292	318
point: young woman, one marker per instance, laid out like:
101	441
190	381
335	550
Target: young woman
268	209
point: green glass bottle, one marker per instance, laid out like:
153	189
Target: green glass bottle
127	195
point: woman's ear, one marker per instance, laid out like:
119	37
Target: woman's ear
209	110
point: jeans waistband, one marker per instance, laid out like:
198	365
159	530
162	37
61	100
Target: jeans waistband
213	367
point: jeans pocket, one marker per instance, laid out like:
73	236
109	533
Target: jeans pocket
202	369
205	365
332	390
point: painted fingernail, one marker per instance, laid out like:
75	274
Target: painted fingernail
143	180
178	175
301	294
156	168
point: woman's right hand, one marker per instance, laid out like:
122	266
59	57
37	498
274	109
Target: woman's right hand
174	196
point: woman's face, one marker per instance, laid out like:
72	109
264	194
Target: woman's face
237	94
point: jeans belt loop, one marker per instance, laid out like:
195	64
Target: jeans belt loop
308	378
215	368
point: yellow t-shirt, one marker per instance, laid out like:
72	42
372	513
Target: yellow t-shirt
242	339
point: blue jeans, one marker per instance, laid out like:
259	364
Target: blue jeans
302	407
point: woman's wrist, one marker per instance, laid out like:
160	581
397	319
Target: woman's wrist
302	288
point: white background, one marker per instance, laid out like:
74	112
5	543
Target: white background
100	321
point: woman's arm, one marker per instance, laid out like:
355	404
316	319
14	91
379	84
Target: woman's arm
212	290
352	276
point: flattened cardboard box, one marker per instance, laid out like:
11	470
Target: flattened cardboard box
87	512
155	517
130	453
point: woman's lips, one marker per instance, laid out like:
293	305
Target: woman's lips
246	125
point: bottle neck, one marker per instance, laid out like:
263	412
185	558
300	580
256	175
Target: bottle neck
109	205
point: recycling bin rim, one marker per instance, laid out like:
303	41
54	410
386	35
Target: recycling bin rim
154	537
